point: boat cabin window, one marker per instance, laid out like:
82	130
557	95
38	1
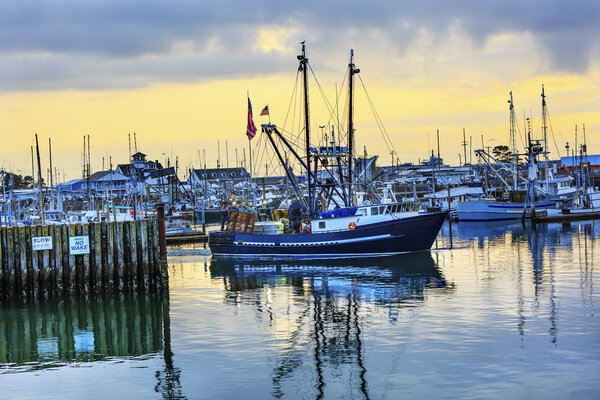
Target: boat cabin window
382	210
321	224
375	211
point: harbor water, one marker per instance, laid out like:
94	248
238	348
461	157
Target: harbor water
494	311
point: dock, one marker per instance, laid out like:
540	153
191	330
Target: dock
191	237
50	261
567	217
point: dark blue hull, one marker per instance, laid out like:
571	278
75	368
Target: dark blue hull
385	238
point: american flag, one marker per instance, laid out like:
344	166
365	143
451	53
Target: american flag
265	111
251	129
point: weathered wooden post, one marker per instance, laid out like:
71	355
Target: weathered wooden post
19	266
156	275
3	284
118	261
97	264
66	259
46	268
58	259
34	272
162	237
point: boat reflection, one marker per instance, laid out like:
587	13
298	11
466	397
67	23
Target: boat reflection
389	280
333	302
540	251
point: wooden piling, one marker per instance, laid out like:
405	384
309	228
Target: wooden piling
2	269
33	272
20	266
155	252
72	265
122	257
145	261
133	252
47	282
113	277
97	271
86	264
66	258
58	257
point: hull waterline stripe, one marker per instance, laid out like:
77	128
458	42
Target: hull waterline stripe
326	243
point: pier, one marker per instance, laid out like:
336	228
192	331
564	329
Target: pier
48	261
567	217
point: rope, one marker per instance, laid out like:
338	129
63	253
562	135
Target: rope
386	137
552	132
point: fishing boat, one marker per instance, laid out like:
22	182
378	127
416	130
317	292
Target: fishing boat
349	231
537	192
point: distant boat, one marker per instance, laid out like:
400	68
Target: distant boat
540	193
177	226
492	210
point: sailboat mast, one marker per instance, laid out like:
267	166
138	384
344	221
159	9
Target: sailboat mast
512	135
304	68
351	72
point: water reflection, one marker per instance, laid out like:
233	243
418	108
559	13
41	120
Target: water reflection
509	310
332	301
540	250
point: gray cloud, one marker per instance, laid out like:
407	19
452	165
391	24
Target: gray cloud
54	44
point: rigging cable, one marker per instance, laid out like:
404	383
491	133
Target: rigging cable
552	131
386	137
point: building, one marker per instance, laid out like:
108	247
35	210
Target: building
215	175
591	161
101	182
139	168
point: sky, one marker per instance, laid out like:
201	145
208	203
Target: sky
177	73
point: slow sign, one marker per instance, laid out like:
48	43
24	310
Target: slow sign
79	245
41	243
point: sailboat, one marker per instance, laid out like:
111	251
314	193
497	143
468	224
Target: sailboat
350	231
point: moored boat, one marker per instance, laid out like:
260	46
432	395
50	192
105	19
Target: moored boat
370	231
348	230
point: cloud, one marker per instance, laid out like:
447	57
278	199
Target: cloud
61	44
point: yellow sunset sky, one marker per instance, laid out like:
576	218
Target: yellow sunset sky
179	78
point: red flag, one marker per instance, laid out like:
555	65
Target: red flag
251	129
265	111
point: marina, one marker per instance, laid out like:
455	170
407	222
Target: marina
323	200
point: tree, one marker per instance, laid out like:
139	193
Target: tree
17	181
502	154
27	181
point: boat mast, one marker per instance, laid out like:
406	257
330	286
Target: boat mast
351	72
544	130
37	149
304	68
512	135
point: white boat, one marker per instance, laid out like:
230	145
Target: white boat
492	210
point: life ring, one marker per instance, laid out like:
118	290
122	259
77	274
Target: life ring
352	225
